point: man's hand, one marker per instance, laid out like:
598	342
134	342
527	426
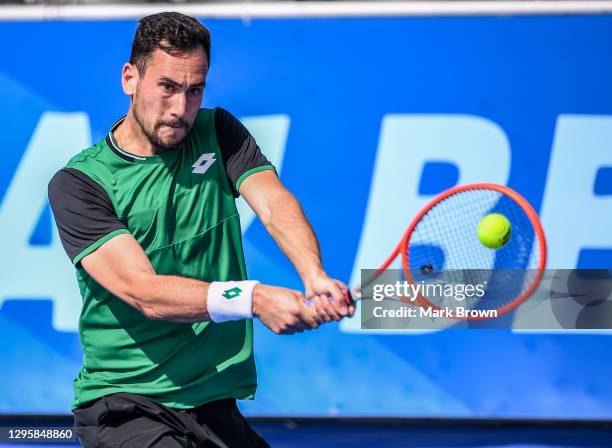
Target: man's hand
282	310
320	287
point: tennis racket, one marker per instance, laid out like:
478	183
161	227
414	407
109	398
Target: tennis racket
441	245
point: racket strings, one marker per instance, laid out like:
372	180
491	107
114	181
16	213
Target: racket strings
444	249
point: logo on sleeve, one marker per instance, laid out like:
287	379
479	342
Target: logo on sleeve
232	293
203	163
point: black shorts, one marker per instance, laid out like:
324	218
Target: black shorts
129	420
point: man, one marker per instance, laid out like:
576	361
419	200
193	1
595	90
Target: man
148	218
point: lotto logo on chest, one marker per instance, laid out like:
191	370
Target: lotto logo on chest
203	163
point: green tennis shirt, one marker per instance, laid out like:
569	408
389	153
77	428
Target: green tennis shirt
180	206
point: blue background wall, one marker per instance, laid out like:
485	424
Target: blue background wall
324	90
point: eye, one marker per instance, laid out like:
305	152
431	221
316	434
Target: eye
195	91
166	87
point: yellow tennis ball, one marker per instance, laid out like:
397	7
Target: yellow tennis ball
494	230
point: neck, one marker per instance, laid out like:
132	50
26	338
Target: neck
129	136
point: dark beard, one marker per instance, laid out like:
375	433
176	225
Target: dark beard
158	145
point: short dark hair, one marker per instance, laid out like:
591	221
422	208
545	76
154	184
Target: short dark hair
172	32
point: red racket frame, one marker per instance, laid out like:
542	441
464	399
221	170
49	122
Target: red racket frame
402	247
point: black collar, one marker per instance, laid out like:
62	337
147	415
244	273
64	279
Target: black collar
112	144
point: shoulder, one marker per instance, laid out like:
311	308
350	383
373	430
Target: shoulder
92	163
220	117
225	120
205	116
73	183
85	157
84	170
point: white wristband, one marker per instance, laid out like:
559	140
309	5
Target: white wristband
230	300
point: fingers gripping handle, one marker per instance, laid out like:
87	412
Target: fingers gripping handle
347	296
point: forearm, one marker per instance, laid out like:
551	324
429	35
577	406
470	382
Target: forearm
122	268
288	225
169	297
187	300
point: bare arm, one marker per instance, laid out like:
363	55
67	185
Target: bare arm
84	215
283	217
122	267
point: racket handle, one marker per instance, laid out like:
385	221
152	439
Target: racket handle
347	296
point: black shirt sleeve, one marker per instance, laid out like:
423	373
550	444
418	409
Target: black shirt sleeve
241	155
83	213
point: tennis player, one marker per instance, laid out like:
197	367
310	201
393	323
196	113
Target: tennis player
148	218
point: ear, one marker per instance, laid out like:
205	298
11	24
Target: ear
129	79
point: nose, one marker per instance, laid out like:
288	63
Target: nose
179	105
